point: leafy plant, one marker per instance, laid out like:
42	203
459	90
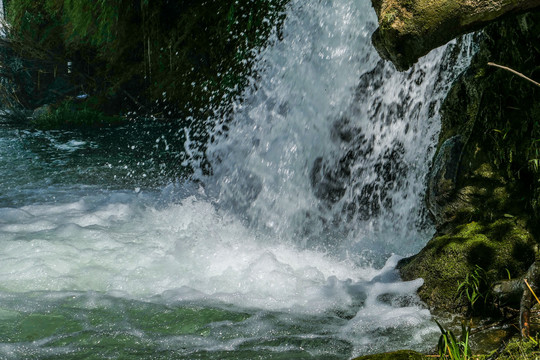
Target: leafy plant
450	347
168	58
534	154
508	273
475	286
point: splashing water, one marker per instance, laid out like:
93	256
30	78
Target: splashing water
331	145
285	251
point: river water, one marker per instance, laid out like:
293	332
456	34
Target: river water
287	249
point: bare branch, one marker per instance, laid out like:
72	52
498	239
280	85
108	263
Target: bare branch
514	72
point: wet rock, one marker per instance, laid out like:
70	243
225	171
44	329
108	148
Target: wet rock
482	186
331	179
42	111
343	130
508	292
443	176
328	183
398	300
448	258
410	29
395	355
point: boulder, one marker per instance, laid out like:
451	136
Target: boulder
443	176
409	29
483	186
499	247
41	111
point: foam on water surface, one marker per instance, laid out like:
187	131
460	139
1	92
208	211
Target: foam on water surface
139	250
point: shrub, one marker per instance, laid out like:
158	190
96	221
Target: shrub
69	115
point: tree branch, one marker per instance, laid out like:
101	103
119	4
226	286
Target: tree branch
514	72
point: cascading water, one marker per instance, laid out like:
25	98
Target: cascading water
284	251
331	145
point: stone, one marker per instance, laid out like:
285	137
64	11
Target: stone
443	175
409	29
42	111
482	189
394	355
446	260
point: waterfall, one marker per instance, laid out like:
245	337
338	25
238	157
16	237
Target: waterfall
329	146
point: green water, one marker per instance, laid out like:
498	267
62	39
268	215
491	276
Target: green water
93	326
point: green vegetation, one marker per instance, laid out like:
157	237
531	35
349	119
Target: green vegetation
476	286
518	349
489	216
70	115
448	259
168	59
449	347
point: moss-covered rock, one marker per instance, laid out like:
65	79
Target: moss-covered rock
497	247
395	355
409	29
443	176
483	187
69	115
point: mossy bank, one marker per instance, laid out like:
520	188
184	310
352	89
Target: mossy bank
484	185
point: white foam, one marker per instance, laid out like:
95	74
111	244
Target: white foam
70	146
114	247
185	251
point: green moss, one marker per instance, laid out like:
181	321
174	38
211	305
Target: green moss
480	73
518	349
495	176
468	230
485	171
388	19
447	259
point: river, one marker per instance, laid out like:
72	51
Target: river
285	250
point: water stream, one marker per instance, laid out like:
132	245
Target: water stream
286	250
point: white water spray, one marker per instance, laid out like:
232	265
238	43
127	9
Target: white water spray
330	146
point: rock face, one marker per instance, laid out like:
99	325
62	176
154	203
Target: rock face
443	176
499	246
484	186
409	29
